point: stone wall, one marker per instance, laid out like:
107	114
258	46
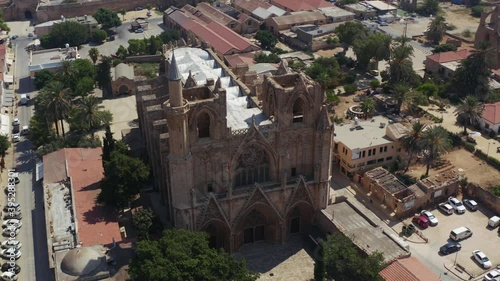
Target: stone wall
483	196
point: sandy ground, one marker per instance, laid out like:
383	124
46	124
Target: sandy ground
460	16
476	170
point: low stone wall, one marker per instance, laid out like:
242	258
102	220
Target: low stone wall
146	58
483	196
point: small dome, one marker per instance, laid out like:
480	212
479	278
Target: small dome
81	261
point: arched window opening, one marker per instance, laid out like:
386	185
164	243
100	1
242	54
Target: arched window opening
203	124
253	166
298	111
271	105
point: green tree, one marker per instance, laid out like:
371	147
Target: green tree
368	107
43	77
350	31
107	18
170	35
344	262
261	57
374	84
430	7
104	74
154	44
400	93
429	89
437	29
325	71
99	36
54	100
469	111
143	220
3	25
435	141
123	179
412	142
4	144
376	46
401	66
122	52
319	265
342	3
472	76
108	145
476	11
136	47
41	132
185	255
266	39
70	32
123	12
87	115
444	48
84	87
94	54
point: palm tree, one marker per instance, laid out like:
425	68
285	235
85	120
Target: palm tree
437	28
87	115
435	141
412	141
400	63
123	12
468	111
94	54
55	99
368	106
400	92
66	72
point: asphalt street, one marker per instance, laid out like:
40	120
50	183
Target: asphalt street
29	194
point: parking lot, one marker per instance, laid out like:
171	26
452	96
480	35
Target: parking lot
483	238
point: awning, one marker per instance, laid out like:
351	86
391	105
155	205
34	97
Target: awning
8	78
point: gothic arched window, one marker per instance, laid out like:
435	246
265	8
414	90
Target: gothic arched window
298	111
203	125
253	166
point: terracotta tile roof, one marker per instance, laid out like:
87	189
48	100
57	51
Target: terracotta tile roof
236	59
220	37
96	225
450	56
251	5
491	112
301	5
299	18
408	269
214	14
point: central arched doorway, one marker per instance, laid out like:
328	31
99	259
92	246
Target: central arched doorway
28	15
260	223
123	90
299	218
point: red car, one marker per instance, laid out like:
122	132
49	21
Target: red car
421	221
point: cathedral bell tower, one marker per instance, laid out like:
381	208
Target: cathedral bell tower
179	158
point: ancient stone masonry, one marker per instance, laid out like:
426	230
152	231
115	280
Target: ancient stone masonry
488	32
242	168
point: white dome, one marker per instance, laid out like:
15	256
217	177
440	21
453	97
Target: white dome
81	261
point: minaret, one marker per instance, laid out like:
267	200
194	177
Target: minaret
174	83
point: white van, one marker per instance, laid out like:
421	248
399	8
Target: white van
494	222
25	130
460	233
24	99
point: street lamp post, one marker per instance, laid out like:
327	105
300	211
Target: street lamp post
455	262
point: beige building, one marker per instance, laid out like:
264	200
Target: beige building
367	144
88	21
242	167
122	79
277	24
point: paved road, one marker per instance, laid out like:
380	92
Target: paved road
34	261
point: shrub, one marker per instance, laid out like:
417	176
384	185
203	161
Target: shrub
467	33
476	11
496	190
374	84
470	147
450	27
350	89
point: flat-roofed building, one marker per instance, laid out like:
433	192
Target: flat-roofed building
382	7
336	14
366	144
300	5
361	11
276	24
88	21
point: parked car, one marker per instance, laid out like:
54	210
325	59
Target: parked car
16	138
460	233
139	9
383	23
8	253
15	122
471	204
9	276
450	247
433	221
11	243
493	275
7	267
14	37
139	30
13	215
494	221
12	223
481	259
421	221
10	232
30	35
457	205
149	14
446	208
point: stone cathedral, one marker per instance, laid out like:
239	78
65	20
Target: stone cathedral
243	165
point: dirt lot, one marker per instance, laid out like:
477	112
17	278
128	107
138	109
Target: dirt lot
483	239
474	168
460	16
